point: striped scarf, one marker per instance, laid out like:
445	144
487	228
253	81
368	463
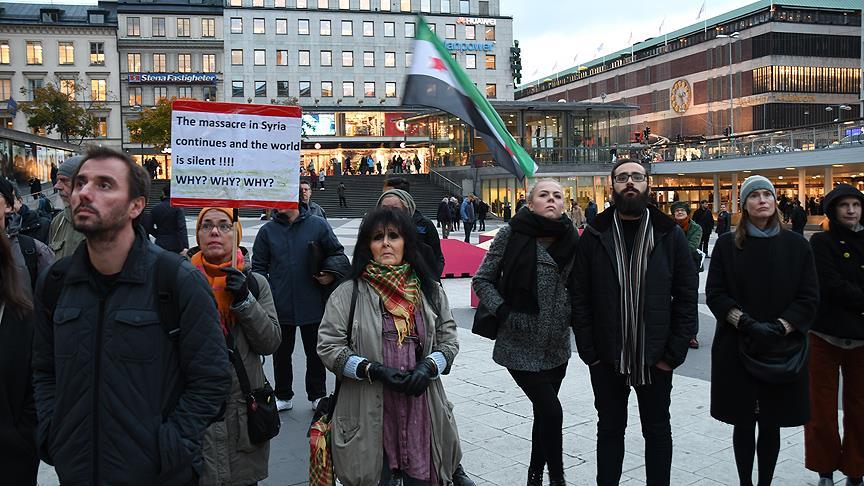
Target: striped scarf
632	269
399	289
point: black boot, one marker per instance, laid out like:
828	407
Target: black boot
460	478
535	477
557	481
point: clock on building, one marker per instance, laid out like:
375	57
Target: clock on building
680	96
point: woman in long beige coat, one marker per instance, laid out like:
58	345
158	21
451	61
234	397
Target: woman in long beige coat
403	337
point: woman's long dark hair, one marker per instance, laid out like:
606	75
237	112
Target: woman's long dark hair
382	217
15	298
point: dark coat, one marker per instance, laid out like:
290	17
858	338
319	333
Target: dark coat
799	219
281	253
34	224
770	278
19	460
590	212
705	219
443	215
724	222
168	225
118	401
671	316
428	237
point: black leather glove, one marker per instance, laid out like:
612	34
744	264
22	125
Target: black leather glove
236	284
389	377
760	331
420	378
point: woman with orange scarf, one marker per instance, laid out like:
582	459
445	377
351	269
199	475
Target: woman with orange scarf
250	323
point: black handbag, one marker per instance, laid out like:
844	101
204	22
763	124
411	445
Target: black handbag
780	360
485	323
262	416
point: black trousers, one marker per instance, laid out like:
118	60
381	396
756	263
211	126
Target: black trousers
283	369
546	439
467	225
611	393
482	220
343	203
703	245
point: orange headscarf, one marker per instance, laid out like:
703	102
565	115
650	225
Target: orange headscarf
215	276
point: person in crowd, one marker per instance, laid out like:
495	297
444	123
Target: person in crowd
752	319
306	198
837	342
724	221
455	217
520	202
45	209
577	216
482	211
635	294
704	218
301	258
321	178
18	456
523	280
313	178
53	174
62	237
590	212
250	325
28	222
417	164
693	232
340	191
444	216
399	199
798	217
403	338
30	255
466	213
35	187
379	167
167	224
123	394
426	232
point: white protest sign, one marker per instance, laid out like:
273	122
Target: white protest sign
234	155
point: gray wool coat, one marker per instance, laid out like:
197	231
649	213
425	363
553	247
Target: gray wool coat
528	342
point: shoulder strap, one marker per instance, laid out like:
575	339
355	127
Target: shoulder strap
355	291
31	259
166	284
54	284
254	288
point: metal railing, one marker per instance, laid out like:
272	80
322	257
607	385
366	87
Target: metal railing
448	185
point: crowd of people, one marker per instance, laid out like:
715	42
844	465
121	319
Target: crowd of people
128	361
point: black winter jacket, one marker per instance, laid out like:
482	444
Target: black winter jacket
119	403
18	458
671	317
34	225
428	236
168	225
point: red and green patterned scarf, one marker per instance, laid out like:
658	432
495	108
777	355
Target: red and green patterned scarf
399	289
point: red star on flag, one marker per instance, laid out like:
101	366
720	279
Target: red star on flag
436	64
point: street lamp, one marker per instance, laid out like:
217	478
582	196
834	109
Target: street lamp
731	37
840	110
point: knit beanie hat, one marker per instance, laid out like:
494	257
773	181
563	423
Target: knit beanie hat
70	165
754	183
227	211
7	191
681	205
406	199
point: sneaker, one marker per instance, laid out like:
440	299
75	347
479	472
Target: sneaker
315	403
694	343
282	405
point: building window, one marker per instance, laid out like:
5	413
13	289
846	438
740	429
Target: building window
302	4
385	5
305	89
409	29
209	93
390	89
324	27
368	28
405	5
67	87
258	3
101	127
464	6
390	59
258	26
389	29
208	27
432	28
184	63
326	89
344	4
470	61
158	26
450	31
4	52
281	26
483	7
236	25
159	63
97	54
347	27
490	32
347	89
237	89
34	52
6	89
365	4
369	59
135	96
33	85
208	63
326	58
490	61
133	62
491	91
66	52
184	92
260	57
98	89
347	58
95	18
425	5
323	4
281	57
184	28
236	57
409	58
470	32
279	3
303	58
303	26
282	89
445	6
133	27
369	89
235	3
260	89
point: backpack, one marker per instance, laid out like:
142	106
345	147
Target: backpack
31	257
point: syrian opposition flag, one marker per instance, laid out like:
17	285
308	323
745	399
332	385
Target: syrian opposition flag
436	81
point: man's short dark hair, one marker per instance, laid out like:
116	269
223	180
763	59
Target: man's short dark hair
625	160
398	183
306	182
138	178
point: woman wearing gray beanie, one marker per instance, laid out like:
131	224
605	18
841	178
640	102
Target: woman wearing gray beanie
762	288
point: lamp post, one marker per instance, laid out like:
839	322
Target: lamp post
840	110
731	37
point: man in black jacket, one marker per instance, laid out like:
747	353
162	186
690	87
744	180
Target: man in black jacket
634	310
799	218
704	218
167	224
426	232
122	395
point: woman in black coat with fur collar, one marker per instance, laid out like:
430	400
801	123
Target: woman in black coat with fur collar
762	288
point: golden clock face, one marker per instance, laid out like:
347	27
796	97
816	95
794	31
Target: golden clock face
680	96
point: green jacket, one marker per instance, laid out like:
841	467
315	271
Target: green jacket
63	238
694	235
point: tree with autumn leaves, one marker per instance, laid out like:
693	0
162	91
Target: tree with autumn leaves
64	107
153	126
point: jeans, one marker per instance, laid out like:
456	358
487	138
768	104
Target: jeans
611	393
283	370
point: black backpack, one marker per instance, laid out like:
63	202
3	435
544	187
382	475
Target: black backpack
31	257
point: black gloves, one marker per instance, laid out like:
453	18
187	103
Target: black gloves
236	284
420	378
389	377
761	331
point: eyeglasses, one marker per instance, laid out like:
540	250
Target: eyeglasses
223	228
636	176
